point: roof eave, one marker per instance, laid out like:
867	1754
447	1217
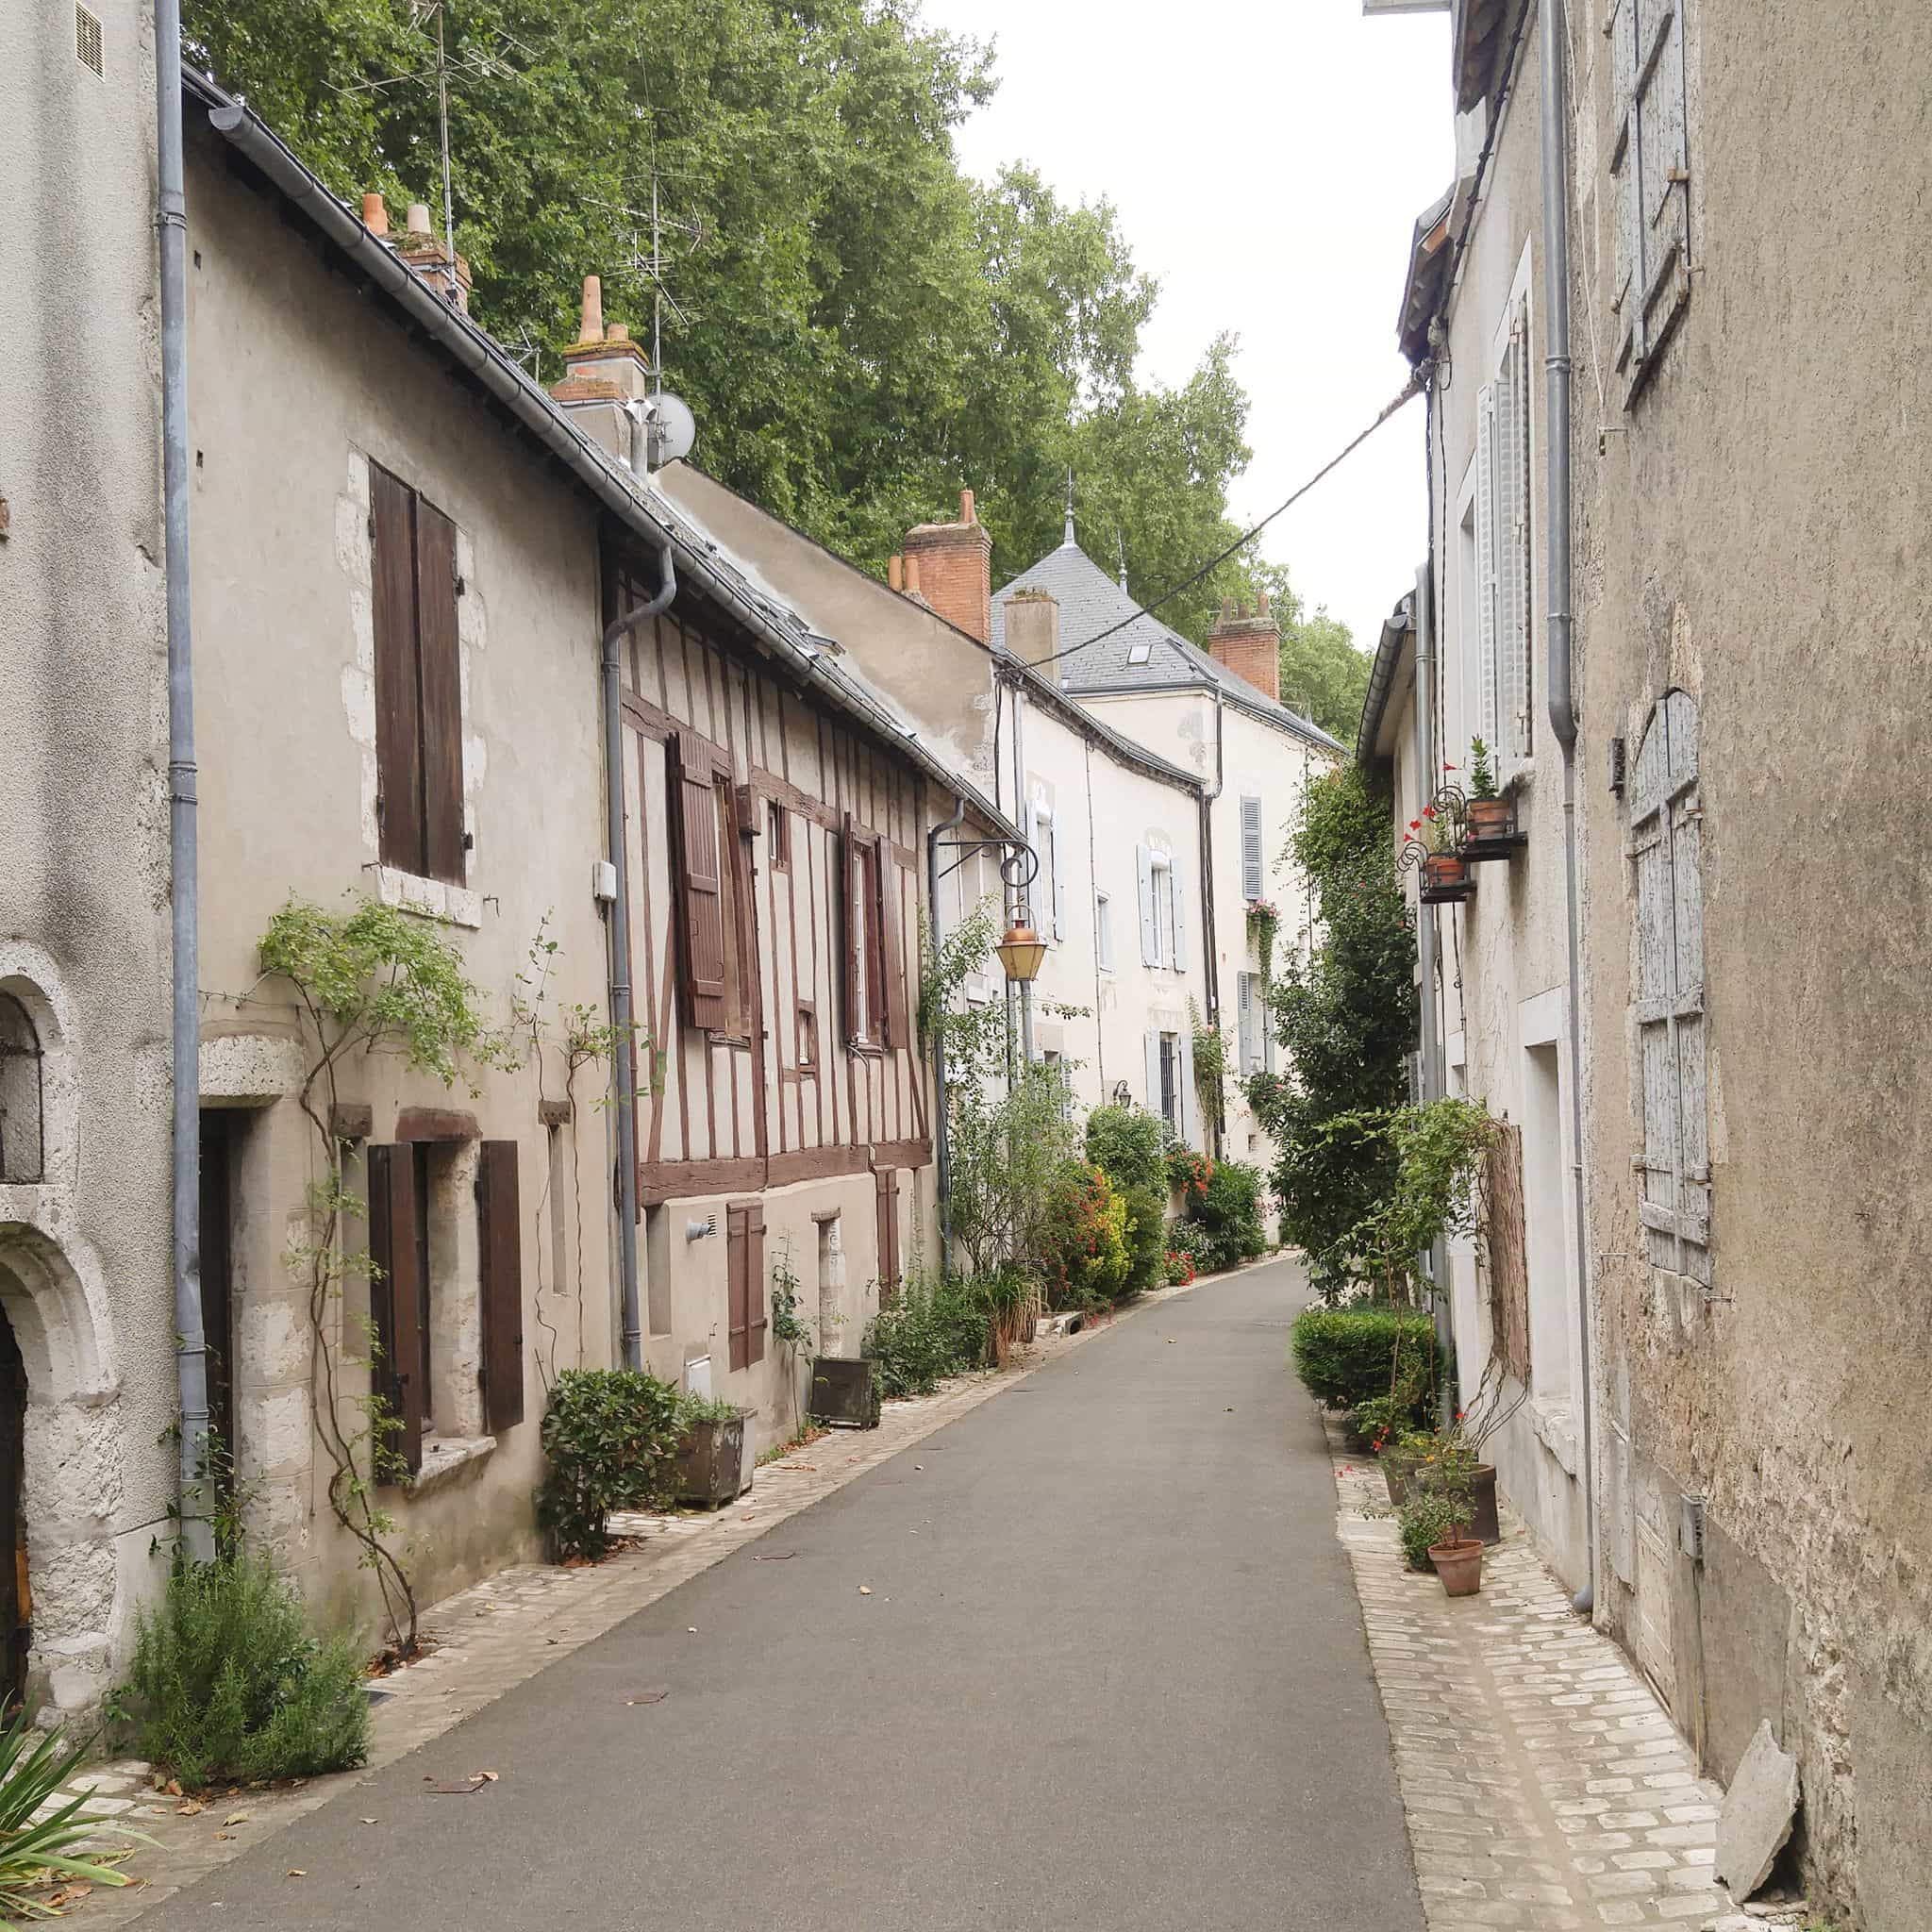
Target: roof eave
1398	632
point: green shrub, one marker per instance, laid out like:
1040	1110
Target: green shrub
933	1329
1083	1238
1146	1242
1129	1146
1224	1216
610	1436
1349	1355
228	1683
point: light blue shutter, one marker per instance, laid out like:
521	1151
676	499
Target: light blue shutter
1243	1000
1150	933
1486	612
1177	885
1251	848
1058	833
1153	1072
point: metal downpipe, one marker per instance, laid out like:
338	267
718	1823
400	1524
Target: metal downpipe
1208	941
190	1342
622	1067
941	1125
1563	706
1020	816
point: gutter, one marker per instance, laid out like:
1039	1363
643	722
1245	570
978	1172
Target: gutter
1562	705
190	1341
623	1062
478	355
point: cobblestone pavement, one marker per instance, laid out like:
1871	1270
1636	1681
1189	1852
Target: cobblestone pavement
1544	1786
490	1637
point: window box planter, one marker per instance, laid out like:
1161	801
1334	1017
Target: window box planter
844	1393
1447	878
1491	830
714	1467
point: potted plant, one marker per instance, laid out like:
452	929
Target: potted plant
1444	865
1491	818
1451	1458
715	1462
1434	1520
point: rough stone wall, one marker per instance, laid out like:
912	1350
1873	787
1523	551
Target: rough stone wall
1752	531
84	1252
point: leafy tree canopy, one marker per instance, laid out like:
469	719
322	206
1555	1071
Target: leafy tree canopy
862	330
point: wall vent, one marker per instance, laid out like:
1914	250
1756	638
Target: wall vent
87	39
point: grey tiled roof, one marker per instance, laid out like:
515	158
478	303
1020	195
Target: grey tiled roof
1091	602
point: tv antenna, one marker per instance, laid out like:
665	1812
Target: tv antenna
484	62
650	271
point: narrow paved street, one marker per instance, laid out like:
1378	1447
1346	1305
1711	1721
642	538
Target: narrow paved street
1110	1672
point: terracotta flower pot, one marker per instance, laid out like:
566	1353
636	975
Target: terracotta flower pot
1398	1472
1460	1565
1484	1523
1440	869
1491	818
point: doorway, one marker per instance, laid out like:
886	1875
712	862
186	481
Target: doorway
16	1599
220	1141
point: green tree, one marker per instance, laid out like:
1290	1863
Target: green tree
862	330
1347	1019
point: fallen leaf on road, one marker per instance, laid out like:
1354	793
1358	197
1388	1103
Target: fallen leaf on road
369	1821
225	1834
691	1629
656	1696
172	1788
782	1557
468	1788
236	1817
297	1871
865	1589
487	1777
192	1808
918	1465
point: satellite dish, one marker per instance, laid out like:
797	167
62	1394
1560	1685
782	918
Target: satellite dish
672	428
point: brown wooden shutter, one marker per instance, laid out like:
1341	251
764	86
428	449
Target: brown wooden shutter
851	930
737	1284
757	1314
1507	1251
887	1179
398	698
898	1030
500	1248
396	1293
702	911
441	695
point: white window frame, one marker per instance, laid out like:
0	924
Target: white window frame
1504	485
1164	909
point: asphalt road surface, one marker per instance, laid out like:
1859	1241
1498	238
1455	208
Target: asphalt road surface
1110	1674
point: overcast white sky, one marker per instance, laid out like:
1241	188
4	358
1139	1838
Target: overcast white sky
1268	160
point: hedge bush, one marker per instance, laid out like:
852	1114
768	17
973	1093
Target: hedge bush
1146	1242
1083	1238
1347	1356
227	1684
611	1436
1224	1216
932	1329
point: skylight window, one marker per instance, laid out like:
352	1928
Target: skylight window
1139	653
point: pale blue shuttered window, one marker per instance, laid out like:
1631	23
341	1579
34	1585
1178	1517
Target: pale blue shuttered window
1650	164
1666	848
1251	848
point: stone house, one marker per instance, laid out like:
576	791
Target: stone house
1749	586
1216	714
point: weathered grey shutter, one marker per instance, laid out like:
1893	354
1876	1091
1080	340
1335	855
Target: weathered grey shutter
1150	931
1244	1007
1650	164
500	1260
1187	1103
1519	733
1177	885
395	1294
1152	1044
1057	832
1251	848
1666	847
701	909
1486	614
398	695
442	695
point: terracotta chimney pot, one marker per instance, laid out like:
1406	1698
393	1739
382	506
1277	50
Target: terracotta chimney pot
912	576
592	328
618	332
895	571
376	214
967	514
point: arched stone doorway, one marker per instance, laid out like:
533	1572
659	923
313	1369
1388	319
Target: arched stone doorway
16	1591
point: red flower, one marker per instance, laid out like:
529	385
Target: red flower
1428	811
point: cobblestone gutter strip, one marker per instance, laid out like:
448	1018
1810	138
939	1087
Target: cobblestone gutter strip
492	1637
1544	1786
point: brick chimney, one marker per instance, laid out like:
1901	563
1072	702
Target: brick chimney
951	566
1248	642
604	373
1033	625
421	247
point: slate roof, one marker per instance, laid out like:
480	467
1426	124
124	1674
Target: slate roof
1091	602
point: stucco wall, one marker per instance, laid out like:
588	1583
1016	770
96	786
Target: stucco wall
1753	532
84	1254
